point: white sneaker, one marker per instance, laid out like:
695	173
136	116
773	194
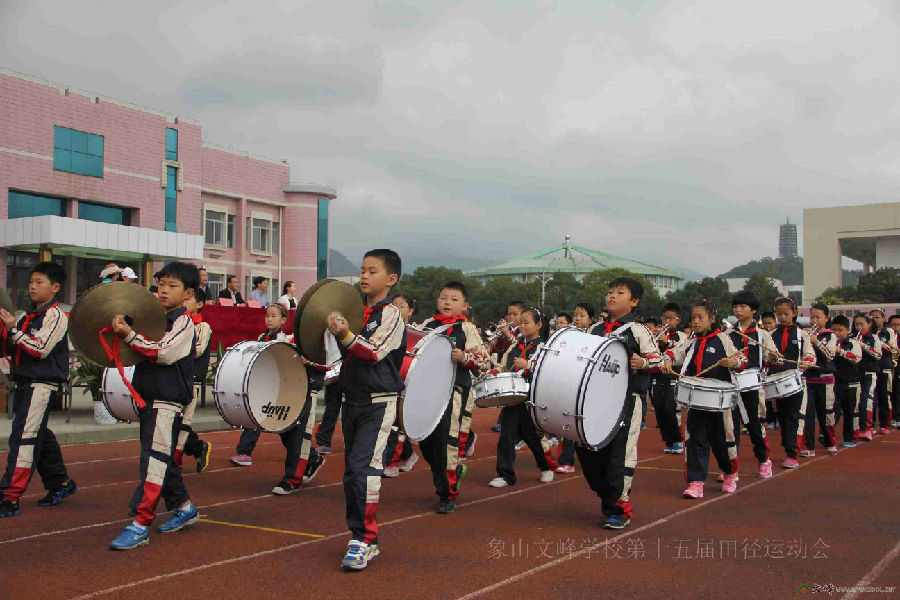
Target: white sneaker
546	476
410	463
519	445
102	415
498	482
392	471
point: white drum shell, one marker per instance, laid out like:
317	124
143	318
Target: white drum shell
428	386
748	379
779	385
579	387
706	394
491	388
116	396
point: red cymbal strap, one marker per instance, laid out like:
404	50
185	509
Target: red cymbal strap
113	354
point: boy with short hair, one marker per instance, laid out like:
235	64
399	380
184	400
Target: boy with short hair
441	448
164	381
39	363
188	441
610	470
370	382
847	355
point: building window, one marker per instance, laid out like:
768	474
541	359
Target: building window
276	238
274	290
171	198
77	152
102	213
261	236
322	241
171	144
215	284
22	204
215	228
229	232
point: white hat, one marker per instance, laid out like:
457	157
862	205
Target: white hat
129	273
109	271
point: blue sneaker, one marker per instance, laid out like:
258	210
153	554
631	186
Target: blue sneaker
131	537
849	444
179	519
358	555
8	509
616	522
323	449
677	448
56	496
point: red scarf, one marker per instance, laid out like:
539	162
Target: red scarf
700	344
784	338
609	326
197	319
448	319
523	351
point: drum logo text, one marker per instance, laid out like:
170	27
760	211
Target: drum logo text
608	365
280	412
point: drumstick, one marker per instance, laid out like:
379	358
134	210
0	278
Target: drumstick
756	343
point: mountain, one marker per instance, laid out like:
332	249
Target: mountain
339	265
788	269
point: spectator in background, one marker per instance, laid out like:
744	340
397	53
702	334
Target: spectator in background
111	272
260	291
231	292
128	274
204	281
288	298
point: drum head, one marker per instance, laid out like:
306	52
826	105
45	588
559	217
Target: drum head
277	387
429	384
604	389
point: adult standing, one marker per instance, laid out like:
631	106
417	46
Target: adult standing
204	282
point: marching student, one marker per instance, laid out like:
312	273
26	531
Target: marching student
768	323
165	383
399	453
662	391
609	471
791	343
515	421
509	334
583	316
562	321
38	362
370	382
820	385
846	378
712	353
883	384
441	448
188	441
869	367
894	324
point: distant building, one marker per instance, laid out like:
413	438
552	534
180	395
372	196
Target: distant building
787	240
579	261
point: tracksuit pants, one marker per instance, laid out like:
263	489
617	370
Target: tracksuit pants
609	471
867	400
754	402
398	448
788	409
188	441
663	397
709	430
566	453
441	448
819	406
330	417
160	423
516	424
847	397
895	393
32	444
366	427
883	397
465	423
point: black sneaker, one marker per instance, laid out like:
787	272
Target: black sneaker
312	467
461	471
54	497
445	506
8	509
496	428
203	459
616	522
285	488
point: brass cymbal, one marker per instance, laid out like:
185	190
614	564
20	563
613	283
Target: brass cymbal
310	322
95	310
301	303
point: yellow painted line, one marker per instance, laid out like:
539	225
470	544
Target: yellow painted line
258	528
889	441
662	469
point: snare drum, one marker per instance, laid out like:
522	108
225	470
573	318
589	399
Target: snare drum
779	385
579	387
116	396
748	379
497	391
700	393
261	385
429	375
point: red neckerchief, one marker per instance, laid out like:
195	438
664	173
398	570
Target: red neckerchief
701	346
269	336
745	347
523	351
29	317
197	319
609	326
784	337
368	312
448	319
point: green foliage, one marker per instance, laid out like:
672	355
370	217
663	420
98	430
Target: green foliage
879	286
714	289
763	288
788	269
90	376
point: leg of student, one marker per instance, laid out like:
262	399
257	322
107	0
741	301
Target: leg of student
529	434
615	485
667	413
187	418
884	400
566	453
807	439
249	438
26	438
723	434
460	396
506	444
826	418
366	427
434	451
755	405
465	421
297	442
866	401
800	429
696	446
48	458
330	417
789	421
159	427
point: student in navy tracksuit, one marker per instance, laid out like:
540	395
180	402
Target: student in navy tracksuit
370	381
39	363
165	382
820	385
662	393
869	367
713	352
846	378
883	383
894	324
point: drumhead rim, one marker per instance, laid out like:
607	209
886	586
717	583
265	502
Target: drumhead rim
415	357
582	394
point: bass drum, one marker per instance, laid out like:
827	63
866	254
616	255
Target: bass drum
429	375
116	396
579	387
261	385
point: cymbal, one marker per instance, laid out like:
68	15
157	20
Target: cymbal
301	303
95	310
310	322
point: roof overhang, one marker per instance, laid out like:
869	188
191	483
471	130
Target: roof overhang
90	239
325	191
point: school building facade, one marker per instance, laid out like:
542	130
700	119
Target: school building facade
86	180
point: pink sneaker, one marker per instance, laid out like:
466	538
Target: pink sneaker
565	469
884	431
807	453
729	486
866	436
694	490
789	463
720	478
765	470
832	450
241	460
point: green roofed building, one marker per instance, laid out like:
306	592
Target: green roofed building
579	261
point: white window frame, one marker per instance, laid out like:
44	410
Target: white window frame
217	273
267	228
223	223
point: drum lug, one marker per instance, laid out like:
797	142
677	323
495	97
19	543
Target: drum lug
532	405
553	350
589	359
567	427
577	416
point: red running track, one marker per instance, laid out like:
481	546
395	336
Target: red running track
836	520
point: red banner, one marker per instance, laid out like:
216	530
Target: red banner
233	324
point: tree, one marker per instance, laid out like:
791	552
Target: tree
424	285
879	286
764	289
562	293
713	289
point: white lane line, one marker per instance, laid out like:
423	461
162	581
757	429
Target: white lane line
869	577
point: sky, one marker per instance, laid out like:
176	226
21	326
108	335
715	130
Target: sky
675	133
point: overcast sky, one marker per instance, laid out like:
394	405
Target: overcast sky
676	133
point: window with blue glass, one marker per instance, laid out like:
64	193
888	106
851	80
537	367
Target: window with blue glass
23	204
322	241
103	213
171	198
171	144
77	152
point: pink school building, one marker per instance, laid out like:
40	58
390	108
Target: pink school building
86	180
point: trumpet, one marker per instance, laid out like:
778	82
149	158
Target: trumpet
492	331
